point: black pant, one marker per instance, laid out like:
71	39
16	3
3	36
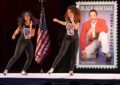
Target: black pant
22	45
65	45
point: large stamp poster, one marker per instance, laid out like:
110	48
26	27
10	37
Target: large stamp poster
98	49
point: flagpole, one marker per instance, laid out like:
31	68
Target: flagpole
41	69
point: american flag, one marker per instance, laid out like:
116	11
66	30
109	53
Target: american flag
43	42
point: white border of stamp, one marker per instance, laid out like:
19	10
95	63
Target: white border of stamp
115	35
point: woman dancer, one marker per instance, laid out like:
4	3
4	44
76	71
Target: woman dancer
27	29
72	22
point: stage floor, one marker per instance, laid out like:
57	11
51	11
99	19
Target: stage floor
85	76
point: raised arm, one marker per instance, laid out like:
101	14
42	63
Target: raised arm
32	30
60	22
75	25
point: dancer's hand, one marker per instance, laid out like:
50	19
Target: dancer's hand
71	16
84	55
13	37
59	21
55	20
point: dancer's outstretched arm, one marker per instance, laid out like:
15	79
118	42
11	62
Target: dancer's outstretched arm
60	22
15	33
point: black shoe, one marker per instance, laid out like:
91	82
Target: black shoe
108	57
108	60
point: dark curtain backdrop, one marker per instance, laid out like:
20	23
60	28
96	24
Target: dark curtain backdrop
10	10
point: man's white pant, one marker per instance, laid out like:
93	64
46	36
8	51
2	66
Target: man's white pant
101	42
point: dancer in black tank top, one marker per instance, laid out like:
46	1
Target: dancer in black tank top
27	28
72	22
